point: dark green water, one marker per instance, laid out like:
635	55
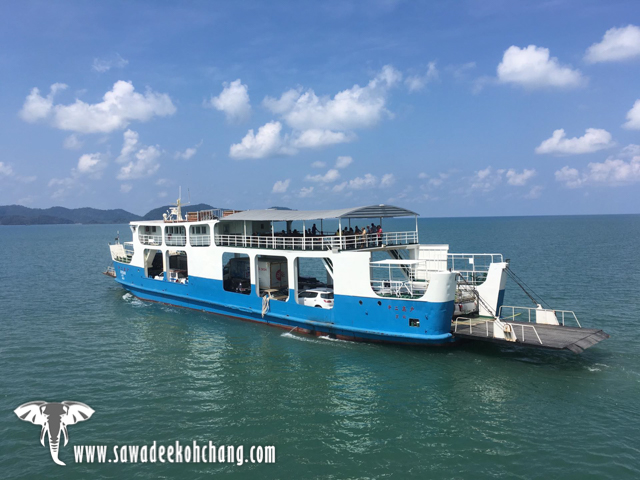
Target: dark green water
332	409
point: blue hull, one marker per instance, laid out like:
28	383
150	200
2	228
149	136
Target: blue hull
352	318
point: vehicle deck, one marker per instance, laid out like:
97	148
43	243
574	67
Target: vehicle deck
556	337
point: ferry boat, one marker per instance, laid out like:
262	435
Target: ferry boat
279	267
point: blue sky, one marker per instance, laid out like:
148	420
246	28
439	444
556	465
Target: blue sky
467	108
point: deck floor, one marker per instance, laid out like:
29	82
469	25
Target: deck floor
554	337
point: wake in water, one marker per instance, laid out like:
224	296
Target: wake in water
127	297
318	340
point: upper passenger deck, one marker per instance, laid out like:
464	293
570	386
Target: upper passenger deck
303	230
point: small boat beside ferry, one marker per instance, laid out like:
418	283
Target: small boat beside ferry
358	282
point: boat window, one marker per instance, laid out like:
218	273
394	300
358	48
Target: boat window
178	271
149	235
314	282
175	236
199	236
153	264
272	277
236	273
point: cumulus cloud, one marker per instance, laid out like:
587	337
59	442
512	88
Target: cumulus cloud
356	107
267	142
305	192
593	140
611	172
519	179
144	165
387	180
617	44
329	177
5	170
532	67
91	164
233	101
126	187
281	186
633	117
120	106
72	142
102	65
36	107
417	82
140	161
315	138
535	192
189	152
319	164
488	179
343	162
319	121
366	181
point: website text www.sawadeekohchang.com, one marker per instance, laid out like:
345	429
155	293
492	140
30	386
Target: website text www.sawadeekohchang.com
175	453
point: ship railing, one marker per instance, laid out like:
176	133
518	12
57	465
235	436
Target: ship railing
523	314
473	267
200	240
318	242
150	239
398	288
474	322
175	240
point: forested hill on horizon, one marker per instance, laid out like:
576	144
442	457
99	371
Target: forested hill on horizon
20	215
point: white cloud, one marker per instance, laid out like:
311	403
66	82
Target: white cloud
233	101
91	164
611	172
535	192
102	65
630	151
129	146
319	164
329	177
305	192
519	179
267	142
343	162
532	67
593	140
72	142
315	138
487	179
161	181
387	180
340	187
367	181
633	117
356	107
140	161
37	107
120	106
423	175
5	170
617	44
418	82
281	186
144	165
126	187
189	152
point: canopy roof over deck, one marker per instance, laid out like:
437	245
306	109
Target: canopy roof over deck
275	215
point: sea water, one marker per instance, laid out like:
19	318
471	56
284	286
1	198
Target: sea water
332	409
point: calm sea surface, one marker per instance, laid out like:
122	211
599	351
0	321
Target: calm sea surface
333	409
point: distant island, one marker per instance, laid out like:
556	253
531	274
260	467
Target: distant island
19	215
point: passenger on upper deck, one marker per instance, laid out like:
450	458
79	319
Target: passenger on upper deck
314	230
